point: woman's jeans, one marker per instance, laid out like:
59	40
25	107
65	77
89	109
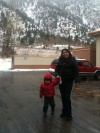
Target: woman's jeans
65	90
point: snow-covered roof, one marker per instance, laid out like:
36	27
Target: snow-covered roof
95	33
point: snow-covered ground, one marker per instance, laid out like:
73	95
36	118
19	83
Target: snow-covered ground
36	51
5	64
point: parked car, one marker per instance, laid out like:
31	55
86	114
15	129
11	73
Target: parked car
86	69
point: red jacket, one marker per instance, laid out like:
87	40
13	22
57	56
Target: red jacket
48	90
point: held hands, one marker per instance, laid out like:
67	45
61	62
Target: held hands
59	78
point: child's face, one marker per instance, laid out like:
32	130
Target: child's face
47	81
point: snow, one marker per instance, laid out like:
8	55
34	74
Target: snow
46	17
85	21
98	29
5	64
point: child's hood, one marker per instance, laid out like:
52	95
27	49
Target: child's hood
48	76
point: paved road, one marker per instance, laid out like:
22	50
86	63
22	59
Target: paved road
21	107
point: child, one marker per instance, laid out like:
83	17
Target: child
47	90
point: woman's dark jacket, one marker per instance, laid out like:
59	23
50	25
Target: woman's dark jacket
67	69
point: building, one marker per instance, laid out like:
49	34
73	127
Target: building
87	52
96	34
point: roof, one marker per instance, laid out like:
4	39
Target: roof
95	33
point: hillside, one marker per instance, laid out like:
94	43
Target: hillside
53	22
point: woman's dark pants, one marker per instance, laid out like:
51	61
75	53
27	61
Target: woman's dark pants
65	90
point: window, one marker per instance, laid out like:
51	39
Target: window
87	64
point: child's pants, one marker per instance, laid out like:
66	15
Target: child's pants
48	101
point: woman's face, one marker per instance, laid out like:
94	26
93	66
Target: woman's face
65	54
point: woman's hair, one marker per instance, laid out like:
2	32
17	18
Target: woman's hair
70	55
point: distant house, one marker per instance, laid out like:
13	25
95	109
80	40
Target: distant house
96	34
87	52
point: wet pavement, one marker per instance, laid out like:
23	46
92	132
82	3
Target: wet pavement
21	107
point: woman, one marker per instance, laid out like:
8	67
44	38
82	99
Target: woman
67	69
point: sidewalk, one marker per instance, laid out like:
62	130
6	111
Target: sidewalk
21	107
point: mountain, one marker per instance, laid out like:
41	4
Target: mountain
53	20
